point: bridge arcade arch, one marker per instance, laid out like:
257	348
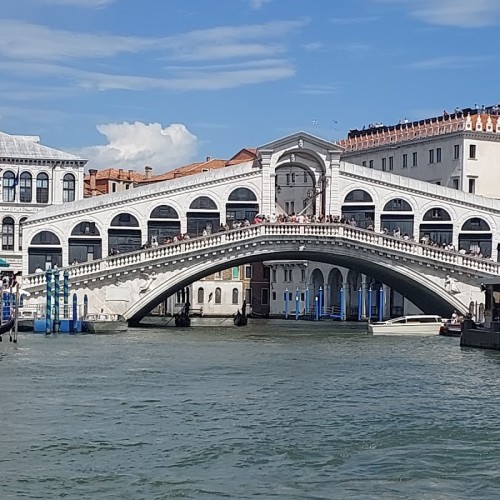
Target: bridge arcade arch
476	237
359	206
85	243
163	223
241	204
124	234
203	215
45	252
398	216
436	227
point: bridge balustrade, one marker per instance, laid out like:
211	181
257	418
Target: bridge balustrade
249	233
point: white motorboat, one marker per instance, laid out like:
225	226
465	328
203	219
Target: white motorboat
418	324
104	323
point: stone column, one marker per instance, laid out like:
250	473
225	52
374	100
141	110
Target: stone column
267	204
333	203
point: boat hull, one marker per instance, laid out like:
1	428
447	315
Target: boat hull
423	329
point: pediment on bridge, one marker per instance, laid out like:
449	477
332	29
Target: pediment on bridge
301	140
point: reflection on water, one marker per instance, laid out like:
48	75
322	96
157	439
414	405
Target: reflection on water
279	409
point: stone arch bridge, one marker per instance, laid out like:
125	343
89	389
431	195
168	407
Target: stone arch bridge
436	231
134	283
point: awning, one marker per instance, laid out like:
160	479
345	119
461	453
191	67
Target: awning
4	263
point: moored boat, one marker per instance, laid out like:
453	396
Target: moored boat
104	323
241	317
451	329
418	324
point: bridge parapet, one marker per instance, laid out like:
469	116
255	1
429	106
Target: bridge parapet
252	234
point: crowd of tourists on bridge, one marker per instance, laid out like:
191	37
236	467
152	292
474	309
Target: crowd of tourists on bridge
293	218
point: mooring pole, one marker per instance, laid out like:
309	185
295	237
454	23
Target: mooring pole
48	302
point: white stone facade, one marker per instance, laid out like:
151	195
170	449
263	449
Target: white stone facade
460	151
32	177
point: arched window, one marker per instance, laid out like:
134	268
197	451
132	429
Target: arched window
476	224
397	205
436	214
45	238
164	212
242	194
8	233
358	196
68	188
85	229
235	296
126	220
201	295
9	187
218	295
21	222
42	188
25	188
203	203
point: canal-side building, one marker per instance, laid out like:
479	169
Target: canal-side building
460	150
33	176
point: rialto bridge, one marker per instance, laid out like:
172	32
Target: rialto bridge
396	219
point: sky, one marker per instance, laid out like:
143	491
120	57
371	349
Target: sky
129	83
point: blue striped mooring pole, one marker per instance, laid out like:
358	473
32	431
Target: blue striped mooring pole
57	300
370	292
381	304
66	293
48	301
360	303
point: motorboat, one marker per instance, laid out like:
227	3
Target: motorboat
418	324
451	328
104	323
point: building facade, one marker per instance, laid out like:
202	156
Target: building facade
459	150
33	176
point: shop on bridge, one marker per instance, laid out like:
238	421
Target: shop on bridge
124	234
358	205
45	252
242	204
203	215
475	237
85	243
164	223
436	227
397	217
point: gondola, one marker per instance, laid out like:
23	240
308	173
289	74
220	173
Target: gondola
241	317
182	318
7	326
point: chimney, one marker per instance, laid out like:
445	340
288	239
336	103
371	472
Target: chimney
120	173
207	158
92	182
130	174
147	171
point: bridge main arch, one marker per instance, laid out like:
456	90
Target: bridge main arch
425	293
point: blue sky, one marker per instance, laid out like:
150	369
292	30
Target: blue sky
128	83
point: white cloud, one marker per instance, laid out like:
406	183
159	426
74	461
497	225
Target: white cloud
215	77
132	146
80	3
16	42
258	4
459	13
448	62
318	89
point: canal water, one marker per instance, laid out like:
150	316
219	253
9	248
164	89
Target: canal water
278	409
